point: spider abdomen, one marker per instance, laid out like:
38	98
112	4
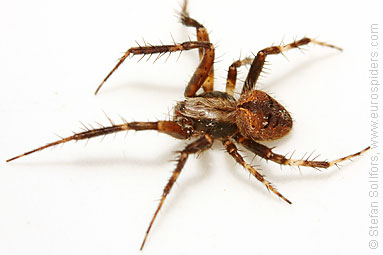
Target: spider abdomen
260	117
216	129
210	113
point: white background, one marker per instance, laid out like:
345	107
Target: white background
98	197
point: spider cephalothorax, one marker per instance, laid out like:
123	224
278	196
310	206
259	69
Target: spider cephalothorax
213	115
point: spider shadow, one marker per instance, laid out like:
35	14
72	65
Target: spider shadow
269	170
99	162
201	172
296	69
150	88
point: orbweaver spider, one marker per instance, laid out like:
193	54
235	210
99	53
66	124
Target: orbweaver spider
213	115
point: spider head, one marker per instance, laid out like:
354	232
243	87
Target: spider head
260	117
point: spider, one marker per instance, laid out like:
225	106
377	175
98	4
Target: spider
214	115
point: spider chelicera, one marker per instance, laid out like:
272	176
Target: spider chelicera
213	115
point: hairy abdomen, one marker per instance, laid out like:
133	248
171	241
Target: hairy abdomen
210	113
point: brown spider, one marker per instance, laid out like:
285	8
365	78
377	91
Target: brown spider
213	115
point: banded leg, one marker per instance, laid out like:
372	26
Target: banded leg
202	36
267	153
200	74
232	74
233	151
257	65
168	127
199	145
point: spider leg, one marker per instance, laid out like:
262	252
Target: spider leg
257	65
232	74
168	127
199	75
267	153
202	36
233	151
199	145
